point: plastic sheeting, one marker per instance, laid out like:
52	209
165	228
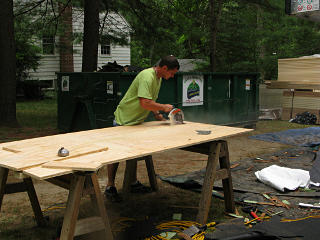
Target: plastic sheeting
282	178
306	137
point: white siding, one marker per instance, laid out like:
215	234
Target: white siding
50	64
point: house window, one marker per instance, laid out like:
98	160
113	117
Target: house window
48	44
105	49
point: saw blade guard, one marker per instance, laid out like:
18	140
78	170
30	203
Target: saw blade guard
176	116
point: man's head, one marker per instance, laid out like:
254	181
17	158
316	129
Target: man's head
167	67
170	61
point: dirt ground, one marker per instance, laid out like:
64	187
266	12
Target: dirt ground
17	222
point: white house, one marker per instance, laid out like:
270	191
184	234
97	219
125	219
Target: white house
50	61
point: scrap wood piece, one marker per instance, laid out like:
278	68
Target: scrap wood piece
10	150
281	202
274	158
24	160
80	154
249	169
278	202
90	162
267	203
42	173
262	161
273	200
74	165
235	165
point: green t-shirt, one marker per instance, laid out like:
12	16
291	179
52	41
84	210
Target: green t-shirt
145	85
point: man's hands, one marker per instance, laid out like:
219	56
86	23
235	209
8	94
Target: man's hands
167	107
154	106
158	116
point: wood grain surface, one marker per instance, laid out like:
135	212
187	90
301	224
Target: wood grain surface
90	150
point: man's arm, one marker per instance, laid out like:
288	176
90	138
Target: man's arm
154	106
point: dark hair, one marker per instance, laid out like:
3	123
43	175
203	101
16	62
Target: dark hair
170	61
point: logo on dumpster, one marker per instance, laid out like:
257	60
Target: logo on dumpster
193	90
192	93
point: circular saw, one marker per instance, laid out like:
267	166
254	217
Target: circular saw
176	116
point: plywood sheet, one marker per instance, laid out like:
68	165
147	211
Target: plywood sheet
148	141
303	69
25	157
301	99
298	73
303	84
124	142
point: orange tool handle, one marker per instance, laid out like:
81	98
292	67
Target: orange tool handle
253	214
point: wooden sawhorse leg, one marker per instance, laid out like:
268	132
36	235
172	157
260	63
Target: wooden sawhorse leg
130	171
25	186
217	152
71	226
226	178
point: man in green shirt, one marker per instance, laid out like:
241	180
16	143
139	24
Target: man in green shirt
136	105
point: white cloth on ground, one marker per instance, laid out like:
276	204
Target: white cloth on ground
282	178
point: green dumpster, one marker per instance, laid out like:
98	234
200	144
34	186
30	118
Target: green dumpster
216	98
88	100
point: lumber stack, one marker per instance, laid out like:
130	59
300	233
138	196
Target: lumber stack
298	73
302	76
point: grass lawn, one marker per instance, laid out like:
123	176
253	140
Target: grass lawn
36	118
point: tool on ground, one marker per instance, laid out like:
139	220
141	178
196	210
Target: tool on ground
187	230
194	232
63	152
251	211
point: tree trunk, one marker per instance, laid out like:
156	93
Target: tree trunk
215	12
91	35
7	66
261	46
66	39
213	38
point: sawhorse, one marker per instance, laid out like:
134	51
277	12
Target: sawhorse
79	184
218	154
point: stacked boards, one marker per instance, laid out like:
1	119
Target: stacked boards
298	73
302	76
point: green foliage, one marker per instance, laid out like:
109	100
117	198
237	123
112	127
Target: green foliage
27	51
251	34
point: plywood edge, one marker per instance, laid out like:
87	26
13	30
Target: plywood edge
11	166
293	85
43	173
77	166
299	59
